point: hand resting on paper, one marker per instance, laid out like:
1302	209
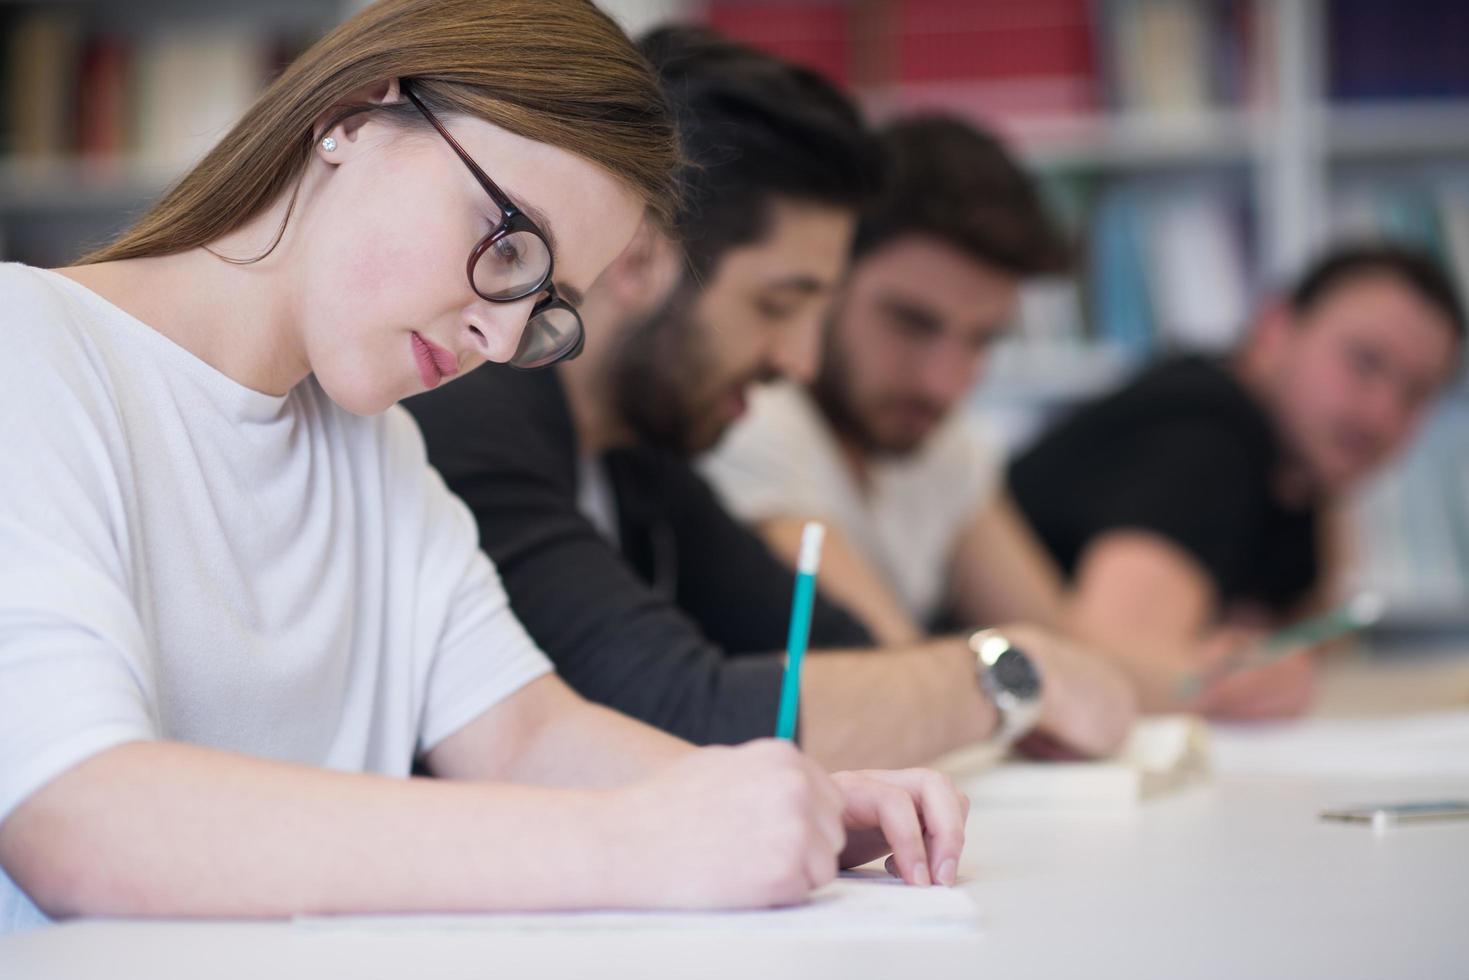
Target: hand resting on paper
761	824
916	814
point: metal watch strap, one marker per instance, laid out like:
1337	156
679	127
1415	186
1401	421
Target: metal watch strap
1018	712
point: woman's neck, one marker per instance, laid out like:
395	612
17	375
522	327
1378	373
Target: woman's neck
239	319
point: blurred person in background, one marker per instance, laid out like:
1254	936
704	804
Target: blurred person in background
878	445
617	556
1198	505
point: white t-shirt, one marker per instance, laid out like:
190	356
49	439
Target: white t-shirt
184	558
783	460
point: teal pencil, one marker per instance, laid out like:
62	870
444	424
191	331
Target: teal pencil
800	632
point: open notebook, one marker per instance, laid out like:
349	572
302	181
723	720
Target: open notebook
1164	753
864	902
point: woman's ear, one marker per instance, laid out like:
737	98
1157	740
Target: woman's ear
335	145
643	273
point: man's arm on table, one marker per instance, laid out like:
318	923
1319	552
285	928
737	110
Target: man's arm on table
1149	604
1089	705
620	643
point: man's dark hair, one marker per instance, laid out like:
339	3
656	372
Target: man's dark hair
958	183
753	128
1413	267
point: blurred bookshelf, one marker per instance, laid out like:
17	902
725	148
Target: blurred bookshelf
104	104
1200	151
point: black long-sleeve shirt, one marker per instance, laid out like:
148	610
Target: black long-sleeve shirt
683	626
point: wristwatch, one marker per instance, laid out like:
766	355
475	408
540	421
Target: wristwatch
1010	679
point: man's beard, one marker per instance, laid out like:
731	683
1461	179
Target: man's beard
832	391
654	373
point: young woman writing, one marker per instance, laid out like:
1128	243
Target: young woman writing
235	603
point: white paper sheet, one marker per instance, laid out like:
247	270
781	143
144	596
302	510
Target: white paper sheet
1434	744
863	901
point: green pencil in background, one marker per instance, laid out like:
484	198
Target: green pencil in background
1357	613
800	634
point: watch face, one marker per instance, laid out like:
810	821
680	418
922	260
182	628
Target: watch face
1016	674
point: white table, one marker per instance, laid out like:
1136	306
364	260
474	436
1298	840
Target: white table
1235	878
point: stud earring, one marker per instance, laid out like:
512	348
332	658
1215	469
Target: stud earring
328	144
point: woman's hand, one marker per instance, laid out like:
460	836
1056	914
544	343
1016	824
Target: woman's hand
917	815
755	825
761	824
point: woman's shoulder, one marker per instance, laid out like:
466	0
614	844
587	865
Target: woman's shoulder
47	335
36	300
58	420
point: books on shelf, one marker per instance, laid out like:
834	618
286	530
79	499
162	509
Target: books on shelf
1168	268
1381	50
1010	61
999	61
816	34
1197	258
101	103
1158	56
178	120
40	53
157	97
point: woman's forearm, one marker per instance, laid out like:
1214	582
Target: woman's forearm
547	735
166	829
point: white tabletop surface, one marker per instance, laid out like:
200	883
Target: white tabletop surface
1236	877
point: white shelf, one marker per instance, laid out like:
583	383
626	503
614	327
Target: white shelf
80	185
1139	141
1090	140
1398	129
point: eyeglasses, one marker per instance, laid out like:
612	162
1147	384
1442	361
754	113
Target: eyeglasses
512	262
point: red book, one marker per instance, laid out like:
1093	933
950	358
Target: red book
102	99
952	40
813	34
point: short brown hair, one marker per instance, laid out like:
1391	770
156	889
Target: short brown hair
556	71
755	128
1413	267
959	184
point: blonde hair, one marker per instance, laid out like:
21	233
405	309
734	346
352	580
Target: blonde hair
556	71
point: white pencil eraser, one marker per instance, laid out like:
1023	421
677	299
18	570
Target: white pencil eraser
811	537
1367	608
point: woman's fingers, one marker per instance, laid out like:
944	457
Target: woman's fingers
920	814
943	811
901	828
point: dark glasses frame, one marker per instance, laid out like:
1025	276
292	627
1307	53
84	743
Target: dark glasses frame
512	219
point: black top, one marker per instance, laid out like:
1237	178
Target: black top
1187	452
686	627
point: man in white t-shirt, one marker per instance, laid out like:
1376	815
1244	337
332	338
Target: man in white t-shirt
878	445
